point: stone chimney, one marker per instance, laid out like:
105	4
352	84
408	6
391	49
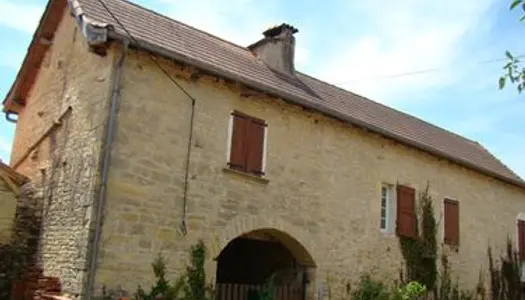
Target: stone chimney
277	48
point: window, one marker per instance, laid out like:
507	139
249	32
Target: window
406	224
247	148
520	232
451	212
387	216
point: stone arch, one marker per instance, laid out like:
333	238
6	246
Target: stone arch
293	237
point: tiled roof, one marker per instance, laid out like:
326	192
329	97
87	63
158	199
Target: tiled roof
177	40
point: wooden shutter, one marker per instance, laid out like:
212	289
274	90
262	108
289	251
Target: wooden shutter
239	144
451	210
256	147
406	212
521	239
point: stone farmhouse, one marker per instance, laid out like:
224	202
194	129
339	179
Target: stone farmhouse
143	135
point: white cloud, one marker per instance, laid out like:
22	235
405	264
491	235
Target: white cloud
407	36
239	21
22	17
232	20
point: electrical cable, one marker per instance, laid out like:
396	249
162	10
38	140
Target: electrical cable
419	72
192	117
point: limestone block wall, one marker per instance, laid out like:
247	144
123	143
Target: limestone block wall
7	212
323	188
58	141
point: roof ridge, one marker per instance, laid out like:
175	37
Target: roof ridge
183	24
392	108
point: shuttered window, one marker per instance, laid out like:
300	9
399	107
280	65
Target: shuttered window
247	144
521	239
451	212
406	224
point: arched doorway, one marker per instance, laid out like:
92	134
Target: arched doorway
262	257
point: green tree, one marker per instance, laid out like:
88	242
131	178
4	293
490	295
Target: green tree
514	72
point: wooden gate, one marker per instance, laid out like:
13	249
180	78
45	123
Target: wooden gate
234	291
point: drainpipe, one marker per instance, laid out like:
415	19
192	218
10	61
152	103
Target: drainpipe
106	152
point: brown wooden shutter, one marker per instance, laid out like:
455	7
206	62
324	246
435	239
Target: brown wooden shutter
256	147
451	210
406	212
239	147
521	239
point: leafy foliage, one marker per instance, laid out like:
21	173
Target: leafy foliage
505	278
18	256
162	288
190	286
516	4
410	291
370	289
513	71
196	288
267	291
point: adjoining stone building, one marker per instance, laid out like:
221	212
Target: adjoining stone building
147	144
10	185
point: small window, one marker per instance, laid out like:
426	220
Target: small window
451	212
248	144
387	214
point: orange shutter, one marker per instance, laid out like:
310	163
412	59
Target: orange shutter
521	239
256	147
451	210
239	147
406	212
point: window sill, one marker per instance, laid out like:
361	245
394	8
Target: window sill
387	233
451	247
246	175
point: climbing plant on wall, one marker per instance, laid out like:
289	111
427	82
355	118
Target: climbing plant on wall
420	252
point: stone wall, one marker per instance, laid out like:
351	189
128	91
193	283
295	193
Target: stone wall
64	121
7	211
323	187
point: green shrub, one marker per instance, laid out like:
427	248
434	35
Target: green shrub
505	282
370	289
412	290
189	286
162	289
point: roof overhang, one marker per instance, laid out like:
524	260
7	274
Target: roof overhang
42	40
94	32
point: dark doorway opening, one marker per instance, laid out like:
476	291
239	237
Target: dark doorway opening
255	260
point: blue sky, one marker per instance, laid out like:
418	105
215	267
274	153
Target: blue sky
361	46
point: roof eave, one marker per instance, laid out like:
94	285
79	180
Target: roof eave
94	32
297	100
39	44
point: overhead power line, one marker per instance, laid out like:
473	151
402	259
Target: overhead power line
420	72
192	114
152	57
